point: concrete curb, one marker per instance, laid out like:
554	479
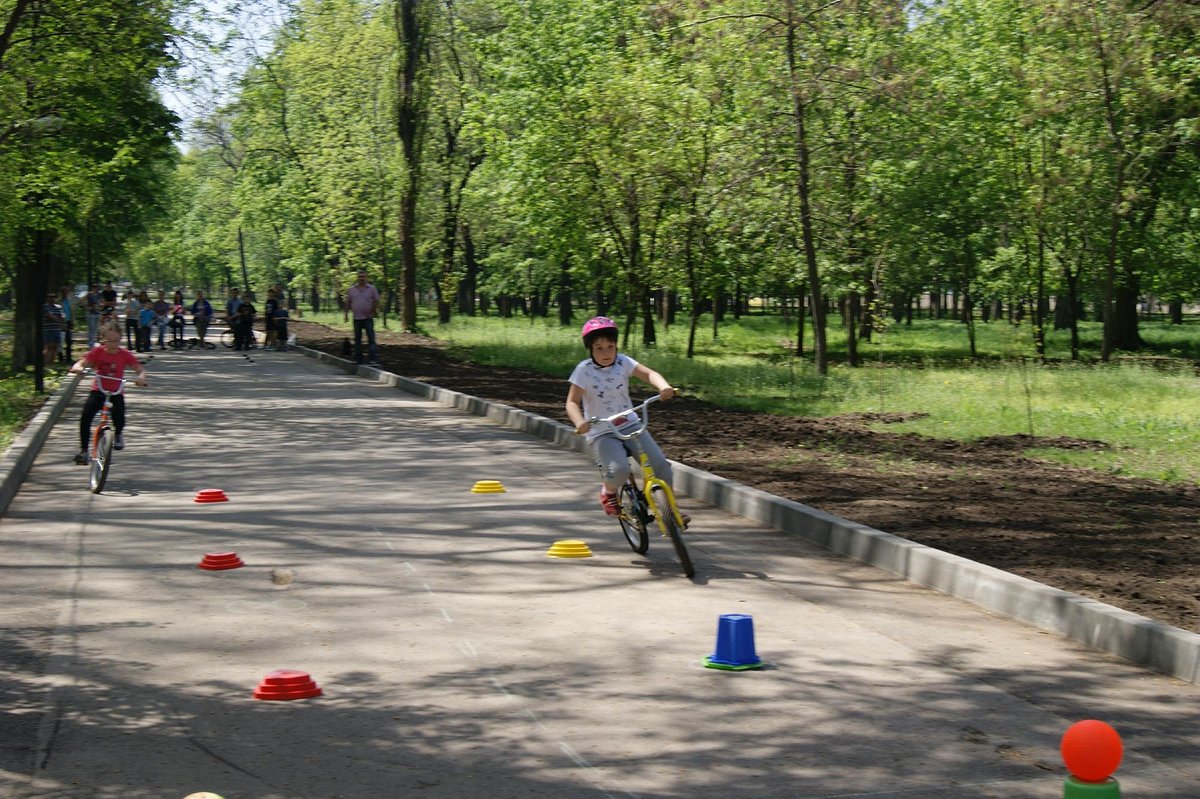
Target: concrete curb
1161	647
18	458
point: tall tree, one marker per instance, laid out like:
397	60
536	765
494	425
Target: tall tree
412	26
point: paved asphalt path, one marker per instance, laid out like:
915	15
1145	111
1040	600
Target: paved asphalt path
457	659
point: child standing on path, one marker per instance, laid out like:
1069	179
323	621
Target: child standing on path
599	388
146	317
109	361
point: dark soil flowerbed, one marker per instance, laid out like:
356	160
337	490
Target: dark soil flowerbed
1128	542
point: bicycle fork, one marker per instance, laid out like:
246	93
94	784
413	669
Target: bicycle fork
651	483
105	420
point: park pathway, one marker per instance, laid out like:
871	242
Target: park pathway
457	660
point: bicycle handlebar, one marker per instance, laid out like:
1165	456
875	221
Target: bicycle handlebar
120	389
617	416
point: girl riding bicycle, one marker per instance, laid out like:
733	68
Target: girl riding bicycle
108	360
600	387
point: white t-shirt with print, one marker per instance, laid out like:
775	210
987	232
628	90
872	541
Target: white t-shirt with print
605	391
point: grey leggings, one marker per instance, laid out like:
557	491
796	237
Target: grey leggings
612	458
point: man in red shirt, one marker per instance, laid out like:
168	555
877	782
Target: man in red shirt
109	361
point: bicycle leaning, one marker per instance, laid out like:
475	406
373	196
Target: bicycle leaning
636	512
104	434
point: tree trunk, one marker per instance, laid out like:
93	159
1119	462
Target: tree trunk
410	118
800	325
1125	322
851	306
242	258
866	327
801	148
565	311
649	331
1039	305
469	285
447	285
968	314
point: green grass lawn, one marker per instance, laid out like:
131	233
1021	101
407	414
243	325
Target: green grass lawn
1146	409
18	400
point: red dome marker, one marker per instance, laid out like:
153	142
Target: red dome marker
287	684
220	561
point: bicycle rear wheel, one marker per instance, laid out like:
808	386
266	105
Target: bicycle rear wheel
101	462
662	506
634	515
227	338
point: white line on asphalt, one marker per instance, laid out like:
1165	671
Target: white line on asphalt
529	714
500	687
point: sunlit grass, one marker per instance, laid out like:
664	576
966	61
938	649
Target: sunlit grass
18	400
1148	415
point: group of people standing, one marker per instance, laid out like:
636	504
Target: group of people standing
241	314
141	317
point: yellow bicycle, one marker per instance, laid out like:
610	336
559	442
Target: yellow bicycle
636	512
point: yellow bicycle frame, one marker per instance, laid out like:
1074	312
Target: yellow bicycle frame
652	482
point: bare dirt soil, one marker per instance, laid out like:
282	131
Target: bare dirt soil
1131	543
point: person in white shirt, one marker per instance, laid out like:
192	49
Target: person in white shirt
599	388
363	302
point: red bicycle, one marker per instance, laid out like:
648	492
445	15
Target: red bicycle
104	435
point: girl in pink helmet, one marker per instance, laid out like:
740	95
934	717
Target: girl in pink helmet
599	388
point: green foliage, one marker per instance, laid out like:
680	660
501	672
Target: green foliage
611	155
84	141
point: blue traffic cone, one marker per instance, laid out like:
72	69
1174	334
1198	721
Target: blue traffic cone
735	644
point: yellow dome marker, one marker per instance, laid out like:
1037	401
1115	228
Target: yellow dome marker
488	487
569	548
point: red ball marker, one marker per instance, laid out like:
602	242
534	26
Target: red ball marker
1092	751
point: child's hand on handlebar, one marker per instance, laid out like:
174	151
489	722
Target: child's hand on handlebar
583	428
666	393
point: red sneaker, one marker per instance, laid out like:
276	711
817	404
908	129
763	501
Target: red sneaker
610	503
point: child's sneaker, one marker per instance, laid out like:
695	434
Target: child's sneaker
610	503
120	442
81	458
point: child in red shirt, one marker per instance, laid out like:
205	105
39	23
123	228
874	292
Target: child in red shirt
108	360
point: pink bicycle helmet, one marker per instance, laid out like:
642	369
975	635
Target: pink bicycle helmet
595	325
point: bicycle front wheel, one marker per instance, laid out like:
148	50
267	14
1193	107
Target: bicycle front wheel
633	518
662	506
102	453
227	338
